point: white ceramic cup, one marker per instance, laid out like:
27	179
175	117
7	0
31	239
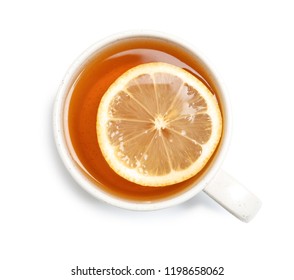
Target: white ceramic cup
216	183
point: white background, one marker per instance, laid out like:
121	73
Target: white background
49	225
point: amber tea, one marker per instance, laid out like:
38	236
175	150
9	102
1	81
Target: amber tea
86	93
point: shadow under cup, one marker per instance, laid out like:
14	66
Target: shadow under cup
76	109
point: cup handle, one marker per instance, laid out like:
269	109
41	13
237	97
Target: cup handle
233	196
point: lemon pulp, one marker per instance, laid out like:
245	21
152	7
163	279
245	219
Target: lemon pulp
158	125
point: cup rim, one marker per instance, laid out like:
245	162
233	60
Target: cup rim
89	185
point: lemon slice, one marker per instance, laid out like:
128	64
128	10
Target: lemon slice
158	125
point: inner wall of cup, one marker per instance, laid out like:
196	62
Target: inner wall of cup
83	176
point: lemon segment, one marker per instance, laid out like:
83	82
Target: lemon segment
158	125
